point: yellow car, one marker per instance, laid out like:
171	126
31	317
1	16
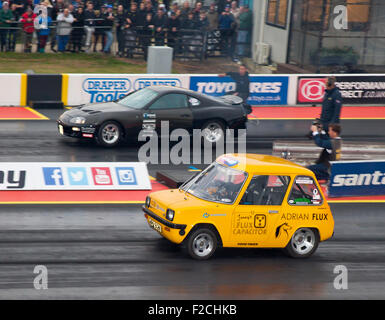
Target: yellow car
244	200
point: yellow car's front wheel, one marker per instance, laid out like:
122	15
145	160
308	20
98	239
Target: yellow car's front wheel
201	244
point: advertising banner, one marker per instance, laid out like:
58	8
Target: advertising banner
12	89
355	89
264	90
74	176
357	178
91	88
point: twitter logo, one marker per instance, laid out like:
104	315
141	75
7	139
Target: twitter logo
77	176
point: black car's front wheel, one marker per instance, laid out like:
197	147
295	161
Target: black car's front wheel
109	134
213	132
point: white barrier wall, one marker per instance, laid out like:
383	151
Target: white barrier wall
272	89
12	89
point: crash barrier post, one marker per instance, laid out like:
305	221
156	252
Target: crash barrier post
357	178
306	152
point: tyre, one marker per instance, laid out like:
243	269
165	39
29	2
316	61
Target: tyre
109	134
213	132
202	244
303	243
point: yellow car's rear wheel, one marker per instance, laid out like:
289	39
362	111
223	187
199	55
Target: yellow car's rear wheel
303	243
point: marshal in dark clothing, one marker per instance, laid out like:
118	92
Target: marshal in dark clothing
242	82
331	104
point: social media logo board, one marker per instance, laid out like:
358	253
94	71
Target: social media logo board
77	176
101	176
126	176
53	176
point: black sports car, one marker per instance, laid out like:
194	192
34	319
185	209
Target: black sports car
111	122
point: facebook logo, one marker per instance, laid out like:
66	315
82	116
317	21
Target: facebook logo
53	176
126	176
77	176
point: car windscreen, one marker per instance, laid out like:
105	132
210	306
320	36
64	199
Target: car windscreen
139	99
217	183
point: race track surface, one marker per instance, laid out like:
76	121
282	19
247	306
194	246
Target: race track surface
109	252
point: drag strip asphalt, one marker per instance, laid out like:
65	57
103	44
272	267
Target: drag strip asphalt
94	252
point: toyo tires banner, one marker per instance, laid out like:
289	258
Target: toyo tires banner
355	89
357	178
74	176
264	90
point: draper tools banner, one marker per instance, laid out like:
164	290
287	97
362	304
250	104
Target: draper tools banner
74	176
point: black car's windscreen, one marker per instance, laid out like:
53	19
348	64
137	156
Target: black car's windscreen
139	99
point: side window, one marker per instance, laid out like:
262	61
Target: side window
194	102
304	192
170	101
266	190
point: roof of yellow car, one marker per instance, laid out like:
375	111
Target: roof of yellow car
259	163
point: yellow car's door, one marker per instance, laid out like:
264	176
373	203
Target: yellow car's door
255	217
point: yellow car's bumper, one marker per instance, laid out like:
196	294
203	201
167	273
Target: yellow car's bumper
172	231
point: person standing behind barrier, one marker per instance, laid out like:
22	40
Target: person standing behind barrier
63	29
213	18
331	104
42	24
244	32
120	21
13	31
6	17
89	25
160	24
226	27
331	144
27	20
109	23
242	82
78	29
174	27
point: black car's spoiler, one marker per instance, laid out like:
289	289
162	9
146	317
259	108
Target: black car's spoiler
232	99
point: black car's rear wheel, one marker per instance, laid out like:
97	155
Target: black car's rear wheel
109	134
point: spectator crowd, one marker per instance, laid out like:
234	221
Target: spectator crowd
79	25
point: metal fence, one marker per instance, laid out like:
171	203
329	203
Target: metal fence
131	42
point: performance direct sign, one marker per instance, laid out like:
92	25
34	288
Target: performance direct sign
357	178
74	176
354	89
264	90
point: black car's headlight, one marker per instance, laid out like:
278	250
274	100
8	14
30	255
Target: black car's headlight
170	214
148	201
78	120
